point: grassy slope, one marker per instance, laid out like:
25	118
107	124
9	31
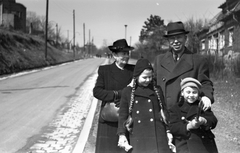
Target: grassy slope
19	51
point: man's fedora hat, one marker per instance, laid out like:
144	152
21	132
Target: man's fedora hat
120	46
175	28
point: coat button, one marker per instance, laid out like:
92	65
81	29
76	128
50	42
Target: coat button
151	120
164	79
139	121
202	137
136	101
149	100
150	110
137	112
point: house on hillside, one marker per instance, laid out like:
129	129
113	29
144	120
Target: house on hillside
12	15
223	34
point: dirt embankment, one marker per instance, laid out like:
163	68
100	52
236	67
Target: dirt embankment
20	51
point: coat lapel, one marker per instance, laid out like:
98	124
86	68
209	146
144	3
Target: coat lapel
112	73
176	69
168	62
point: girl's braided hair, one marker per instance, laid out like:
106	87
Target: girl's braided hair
129	122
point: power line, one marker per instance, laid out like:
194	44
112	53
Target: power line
63	8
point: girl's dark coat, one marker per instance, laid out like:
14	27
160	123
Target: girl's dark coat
110	78
169	74
149	132
194	141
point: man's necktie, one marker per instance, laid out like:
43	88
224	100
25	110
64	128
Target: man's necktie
175	57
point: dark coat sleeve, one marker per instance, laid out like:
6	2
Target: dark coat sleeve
124	110
211	119
99	91
204	77
176	125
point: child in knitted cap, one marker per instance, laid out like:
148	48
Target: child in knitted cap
141	114
189	124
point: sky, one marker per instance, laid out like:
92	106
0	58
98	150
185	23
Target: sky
105	20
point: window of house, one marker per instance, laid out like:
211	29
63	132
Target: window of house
210	42
203	44
215	41
221	40
230	38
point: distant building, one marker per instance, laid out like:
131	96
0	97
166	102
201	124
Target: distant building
223	34
12	15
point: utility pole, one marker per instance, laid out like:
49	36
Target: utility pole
84	37
73	34
130	40
56	33
46	29
68	40
125	31
89	51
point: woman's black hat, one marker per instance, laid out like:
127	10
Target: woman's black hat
120	46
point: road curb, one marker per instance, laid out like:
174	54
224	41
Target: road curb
82	140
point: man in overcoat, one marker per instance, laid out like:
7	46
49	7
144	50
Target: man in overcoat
179	62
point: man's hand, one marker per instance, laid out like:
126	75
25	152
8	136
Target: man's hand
206	103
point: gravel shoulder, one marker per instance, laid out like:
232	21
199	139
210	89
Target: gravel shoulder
226	108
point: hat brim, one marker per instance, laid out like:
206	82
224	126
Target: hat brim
176	33
116	49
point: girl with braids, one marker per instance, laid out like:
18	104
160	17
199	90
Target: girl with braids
141	114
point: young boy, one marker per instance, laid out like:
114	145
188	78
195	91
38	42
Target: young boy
189	124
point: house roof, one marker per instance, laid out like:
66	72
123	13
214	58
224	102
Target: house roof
216	18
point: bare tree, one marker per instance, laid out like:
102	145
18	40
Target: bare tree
194	26
37	25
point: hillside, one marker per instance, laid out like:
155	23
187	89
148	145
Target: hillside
20	51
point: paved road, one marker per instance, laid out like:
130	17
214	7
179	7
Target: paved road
38	106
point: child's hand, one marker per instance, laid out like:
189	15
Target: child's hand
123	143
195	124
170	144
202	120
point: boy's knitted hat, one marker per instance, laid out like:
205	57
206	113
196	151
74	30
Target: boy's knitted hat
190	82
140	66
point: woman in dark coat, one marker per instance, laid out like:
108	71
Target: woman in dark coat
189	124
142	104
110	82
